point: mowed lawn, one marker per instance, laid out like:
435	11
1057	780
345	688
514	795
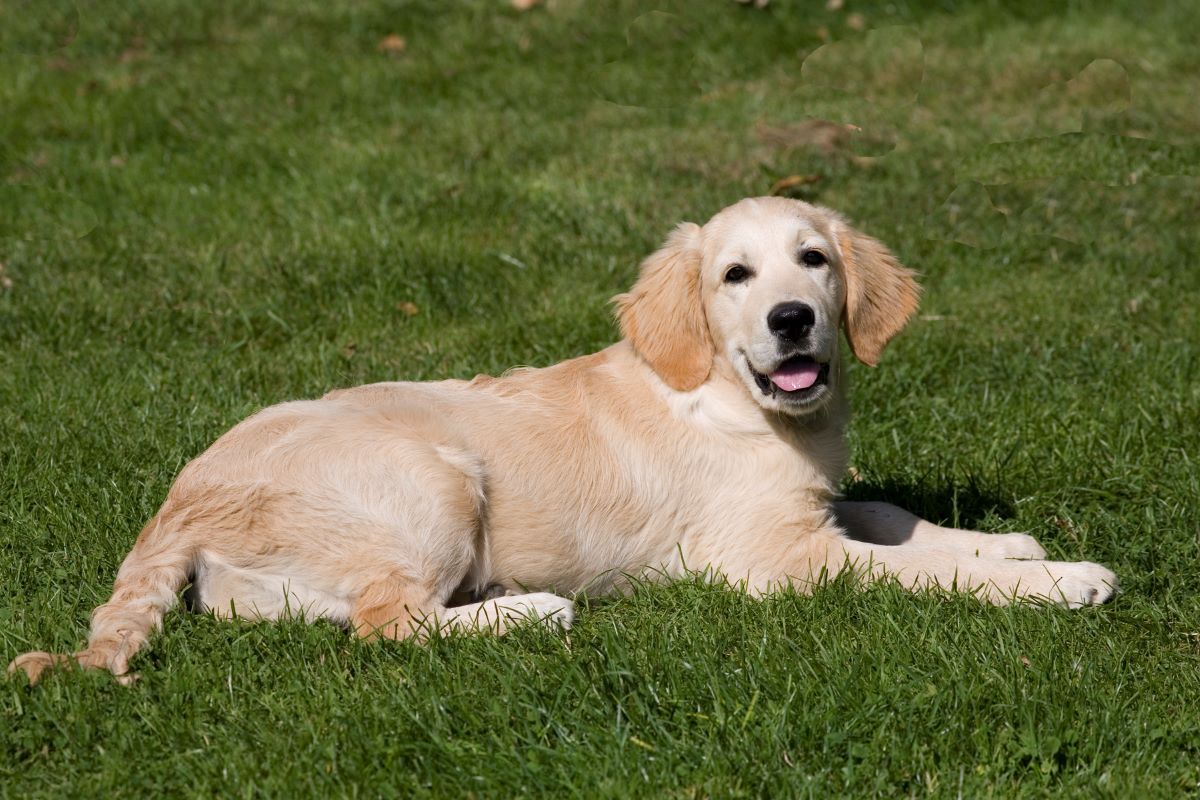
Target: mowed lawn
210	207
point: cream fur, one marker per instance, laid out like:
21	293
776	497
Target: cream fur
382	506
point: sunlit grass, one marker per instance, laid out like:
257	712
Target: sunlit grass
206	208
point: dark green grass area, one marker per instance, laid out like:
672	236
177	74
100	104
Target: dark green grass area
206	208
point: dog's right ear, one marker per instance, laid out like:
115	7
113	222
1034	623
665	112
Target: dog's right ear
663	314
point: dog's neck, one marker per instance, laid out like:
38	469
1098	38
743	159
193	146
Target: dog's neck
722	408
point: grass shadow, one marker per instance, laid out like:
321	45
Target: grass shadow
959	504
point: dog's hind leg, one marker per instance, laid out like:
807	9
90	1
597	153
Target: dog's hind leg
390	609
393	610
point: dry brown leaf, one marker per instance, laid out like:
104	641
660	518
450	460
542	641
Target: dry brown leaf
5	281
349	350
136	51
856	22
408	308
791	182
525	5
834	5
393	44
818	134
117	161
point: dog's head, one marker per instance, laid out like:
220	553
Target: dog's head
760	292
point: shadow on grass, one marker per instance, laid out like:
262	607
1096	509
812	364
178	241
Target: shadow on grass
944	502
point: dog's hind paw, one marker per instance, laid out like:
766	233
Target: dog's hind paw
543	607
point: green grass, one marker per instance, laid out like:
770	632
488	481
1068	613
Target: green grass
206	208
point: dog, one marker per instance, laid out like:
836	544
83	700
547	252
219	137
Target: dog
710	438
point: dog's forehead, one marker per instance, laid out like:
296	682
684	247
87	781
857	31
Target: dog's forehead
764	224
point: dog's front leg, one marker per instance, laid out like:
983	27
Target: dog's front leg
996	580
801	556
886	524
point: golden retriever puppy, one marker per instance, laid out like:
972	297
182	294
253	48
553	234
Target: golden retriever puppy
710	437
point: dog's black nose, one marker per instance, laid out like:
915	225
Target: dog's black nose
791	321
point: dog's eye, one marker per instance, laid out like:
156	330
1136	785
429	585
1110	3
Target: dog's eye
736	274
813	258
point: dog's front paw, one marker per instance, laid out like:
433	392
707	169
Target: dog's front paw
1080	583
1015	545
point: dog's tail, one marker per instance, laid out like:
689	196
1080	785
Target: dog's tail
147	585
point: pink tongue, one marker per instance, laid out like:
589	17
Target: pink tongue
793	376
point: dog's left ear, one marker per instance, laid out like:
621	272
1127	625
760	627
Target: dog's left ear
663	314
881	294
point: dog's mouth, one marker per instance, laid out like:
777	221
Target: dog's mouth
797	378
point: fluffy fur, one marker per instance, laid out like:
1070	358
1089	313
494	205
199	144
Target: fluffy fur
386	506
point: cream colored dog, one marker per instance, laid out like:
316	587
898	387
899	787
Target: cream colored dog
710	437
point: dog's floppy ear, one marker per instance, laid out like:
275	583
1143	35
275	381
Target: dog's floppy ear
881	294
663	315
